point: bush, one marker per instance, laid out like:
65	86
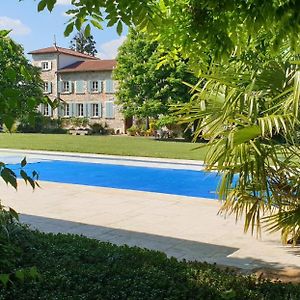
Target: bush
99	129
74	267
133	130
41	124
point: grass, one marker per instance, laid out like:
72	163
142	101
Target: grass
114	145
74	267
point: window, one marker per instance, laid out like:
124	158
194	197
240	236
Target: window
94	87
46	86
95	110
80	109
66	110
65	86
46	65
45	110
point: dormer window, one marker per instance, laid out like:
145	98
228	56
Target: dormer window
46	65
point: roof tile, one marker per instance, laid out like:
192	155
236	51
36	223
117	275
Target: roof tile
55	49
89	66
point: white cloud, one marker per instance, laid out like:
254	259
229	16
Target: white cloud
17	27
109	49
63	2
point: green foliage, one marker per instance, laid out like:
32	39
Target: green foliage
40	124
200	30
20	84
10	250
144	90
99	129
83	44
97	12
242	109
73	267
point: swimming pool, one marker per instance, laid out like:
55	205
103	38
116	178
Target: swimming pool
150	179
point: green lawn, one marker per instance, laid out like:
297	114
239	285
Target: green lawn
115	145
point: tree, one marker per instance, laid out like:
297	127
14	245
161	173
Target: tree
245	111
20	83
83	44
145	90
20	94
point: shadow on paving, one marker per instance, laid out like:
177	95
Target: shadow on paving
179	248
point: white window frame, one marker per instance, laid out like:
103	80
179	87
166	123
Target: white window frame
66	110
46	65
45	110
95	86
80	112
46	87
65	86
95	110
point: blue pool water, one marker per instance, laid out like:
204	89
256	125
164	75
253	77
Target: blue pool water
167	181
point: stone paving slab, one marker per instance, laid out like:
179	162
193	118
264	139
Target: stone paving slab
184	227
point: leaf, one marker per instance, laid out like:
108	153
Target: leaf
96	24
23	162
9	122
4	278
4	33
87	31
14	214
33	273
42	4
69	29
9	177
50	4
246	134
24	175
20	274
119	27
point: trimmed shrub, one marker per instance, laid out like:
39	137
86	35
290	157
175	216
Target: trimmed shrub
74	267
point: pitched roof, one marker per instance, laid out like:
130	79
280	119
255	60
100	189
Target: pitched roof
89	66
55	49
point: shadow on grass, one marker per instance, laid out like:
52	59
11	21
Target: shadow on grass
181	140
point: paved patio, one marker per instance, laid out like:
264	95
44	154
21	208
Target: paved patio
184	227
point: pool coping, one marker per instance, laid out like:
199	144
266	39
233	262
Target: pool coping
112	159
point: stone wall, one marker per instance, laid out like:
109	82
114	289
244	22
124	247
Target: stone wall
117	123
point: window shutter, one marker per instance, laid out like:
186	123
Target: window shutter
49	87
49	110
59	86
89	86
39	108
70	87
109	109
72	109
59	110
50	65
109	86
80	87
99	86
87	110
100	109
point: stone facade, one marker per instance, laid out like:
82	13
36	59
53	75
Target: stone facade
83	93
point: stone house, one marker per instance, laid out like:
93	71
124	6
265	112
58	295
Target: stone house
83	83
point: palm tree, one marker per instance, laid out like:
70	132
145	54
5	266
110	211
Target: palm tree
250	115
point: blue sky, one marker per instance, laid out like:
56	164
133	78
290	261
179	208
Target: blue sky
35	30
